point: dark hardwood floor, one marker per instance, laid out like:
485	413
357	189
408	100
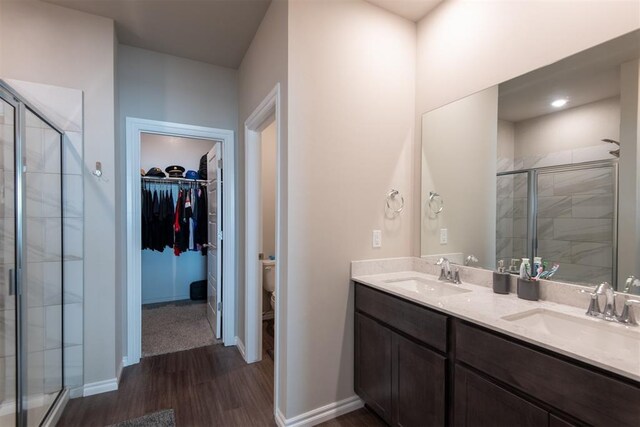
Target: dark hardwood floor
206	386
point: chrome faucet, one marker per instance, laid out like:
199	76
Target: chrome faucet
609	313
445	268
446	274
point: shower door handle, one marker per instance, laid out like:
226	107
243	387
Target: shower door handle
12	282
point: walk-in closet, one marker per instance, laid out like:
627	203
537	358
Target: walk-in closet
174	203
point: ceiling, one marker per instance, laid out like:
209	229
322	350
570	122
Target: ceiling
217	32
413	10
588	76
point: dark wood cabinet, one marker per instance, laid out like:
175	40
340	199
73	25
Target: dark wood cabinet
480	403
397	375
373	365
418	367
418	384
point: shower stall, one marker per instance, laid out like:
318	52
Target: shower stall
566	214
31	263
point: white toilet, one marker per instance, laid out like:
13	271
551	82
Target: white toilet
269	280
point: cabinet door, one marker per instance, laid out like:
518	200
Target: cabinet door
373	365
418	385
481	403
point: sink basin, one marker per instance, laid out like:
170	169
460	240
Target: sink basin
426	288
589	332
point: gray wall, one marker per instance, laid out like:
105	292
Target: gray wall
163	87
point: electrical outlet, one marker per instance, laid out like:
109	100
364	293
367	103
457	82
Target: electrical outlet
377	239
443	236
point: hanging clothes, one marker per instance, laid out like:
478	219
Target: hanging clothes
178	223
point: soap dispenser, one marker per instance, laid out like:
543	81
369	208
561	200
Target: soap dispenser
501	280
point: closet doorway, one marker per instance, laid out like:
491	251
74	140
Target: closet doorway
180	238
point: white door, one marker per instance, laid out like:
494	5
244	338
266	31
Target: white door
214	252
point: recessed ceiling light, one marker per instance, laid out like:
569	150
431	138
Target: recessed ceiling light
559	103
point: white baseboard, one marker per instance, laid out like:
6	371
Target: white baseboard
123	363
100	387
241	349
322	414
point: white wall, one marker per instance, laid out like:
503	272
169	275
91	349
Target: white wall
459	154
351	86
163	87
48	44
264	66
268	172
166	277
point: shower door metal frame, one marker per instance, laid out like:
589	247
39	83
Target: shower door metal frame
21	105
532	202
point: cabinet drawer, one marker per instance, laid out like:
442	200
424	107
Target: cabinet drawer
585	394
418	322
478	402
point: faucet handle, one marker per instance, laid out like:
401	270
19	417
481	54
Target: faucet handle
594	306
627	316
456	276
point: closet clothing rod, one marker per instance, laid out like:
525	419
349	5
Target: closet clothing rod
173	180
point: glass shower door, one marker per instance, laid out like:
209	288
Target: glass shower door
8	403
512	218
42	289
576	221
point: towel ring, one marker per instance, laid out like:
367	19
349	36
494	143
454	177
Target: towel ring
391	196
436	204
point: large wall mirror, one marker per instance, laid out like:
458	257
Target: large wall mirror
544	165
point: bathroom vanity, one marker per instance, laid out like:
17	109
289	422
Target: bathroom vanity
429	353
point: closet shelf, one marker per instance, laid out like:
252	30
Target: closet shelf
172	180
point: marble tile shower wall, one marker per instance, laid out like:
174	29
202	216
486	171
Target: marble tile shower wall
565	157
575	222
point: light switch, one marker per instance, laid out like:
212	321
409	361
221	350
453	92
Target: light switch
377	239
443	236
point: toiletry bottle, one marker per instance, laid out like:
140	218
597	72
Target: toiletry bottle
525	269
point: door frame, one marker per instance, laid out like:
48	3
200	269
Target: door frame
134	127
262	116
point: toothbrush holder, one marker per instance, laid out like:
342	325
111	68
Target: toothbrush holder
501	282
528	289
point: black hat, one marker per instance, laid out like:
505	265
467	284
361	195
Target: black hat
155	172
175	171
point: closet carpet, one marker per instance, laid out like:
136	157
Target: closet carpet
175	326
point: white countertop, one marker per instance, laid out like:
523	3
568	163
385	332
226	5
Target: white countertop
485	308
